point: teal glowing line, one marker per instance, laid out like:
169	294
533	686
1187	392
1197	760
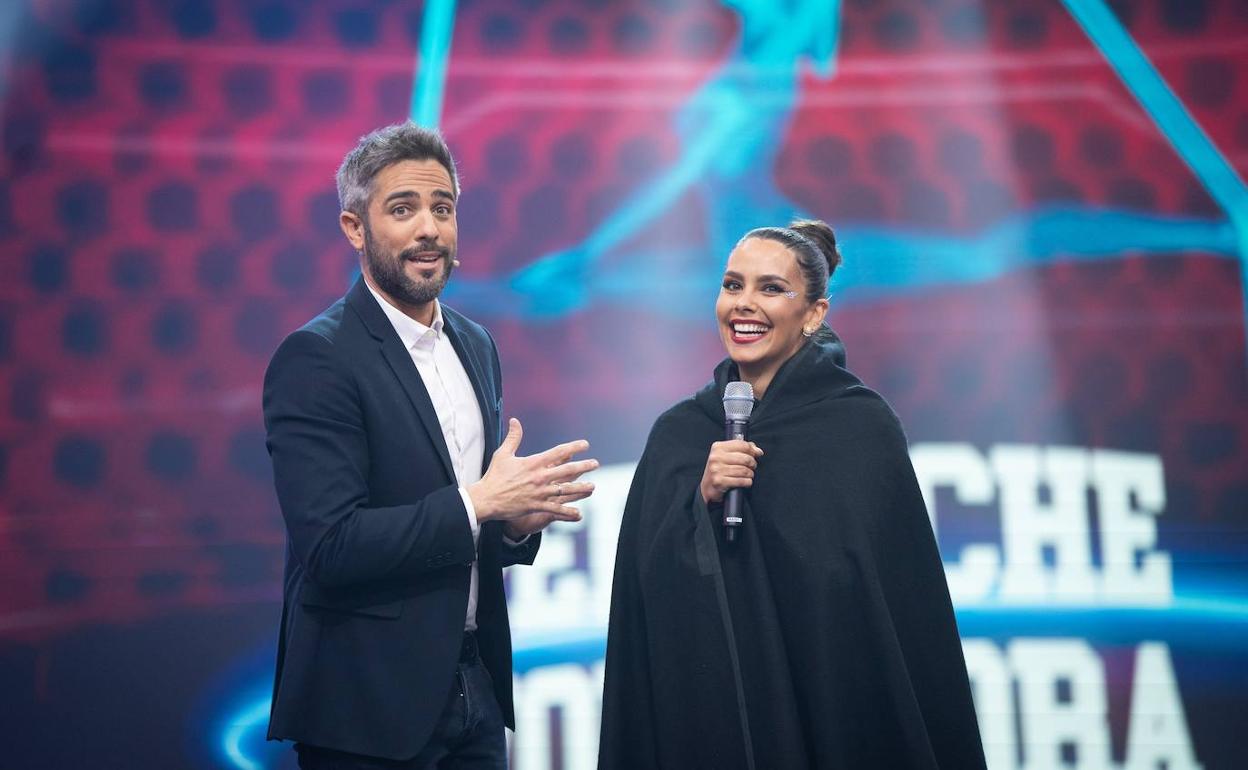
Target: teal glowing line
1196	620
825	47
730	129
885	261
435	53
882	262
1170	116
1226	608
1188	619
1166	110
246	721
1181	609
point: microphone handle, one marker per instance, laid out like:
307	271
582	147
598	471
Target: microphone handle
733	431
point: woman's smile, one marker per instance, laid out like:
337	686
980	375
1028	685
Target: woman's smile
747	331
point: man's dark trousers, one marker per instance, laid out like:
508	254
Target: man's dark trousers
469	736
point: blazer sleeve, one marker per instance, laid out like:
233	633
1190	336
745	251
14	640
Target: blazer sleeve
317	441
524	552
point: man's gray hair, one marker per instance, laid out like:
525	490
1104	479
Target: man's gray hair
385	147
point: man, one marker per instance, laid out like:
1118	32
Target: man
401	504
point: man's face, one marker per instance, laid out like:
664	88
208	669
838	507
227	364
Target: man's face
409	234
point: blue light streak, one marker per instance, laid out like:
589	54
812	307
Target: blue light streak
731	130
1170	116
880	263
1212	620
253	717
730	139
429	87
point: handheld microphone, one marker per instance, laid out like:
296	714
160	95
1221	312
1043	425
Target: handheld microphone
738	404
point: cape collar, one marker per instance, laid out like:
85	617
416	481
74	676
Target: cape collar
814	373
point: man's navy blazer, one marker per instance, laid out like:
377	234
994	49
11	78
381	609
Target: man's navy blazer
379	546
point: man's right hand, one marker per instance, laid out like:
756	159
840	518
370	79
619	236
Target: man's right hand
516	486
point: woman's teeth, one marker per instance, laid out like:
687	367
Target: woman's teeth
748	329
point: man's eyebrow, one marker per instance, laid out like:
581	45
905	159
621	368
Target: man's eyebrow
397	194
439	194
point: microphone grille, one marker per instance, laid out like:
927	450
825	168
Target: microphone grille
738	401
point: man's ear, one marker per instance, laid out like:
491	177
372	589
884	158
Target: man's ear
352	227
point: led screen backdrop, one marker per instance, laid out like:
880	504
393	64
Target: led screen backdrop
1044	220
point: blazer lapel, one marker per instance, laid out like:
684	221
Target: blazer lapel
400	362
472	357
485	399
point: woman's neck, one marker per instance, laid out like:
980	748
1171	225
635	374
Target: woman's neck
758	380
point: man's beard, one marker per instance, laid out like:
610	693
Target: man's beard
392	279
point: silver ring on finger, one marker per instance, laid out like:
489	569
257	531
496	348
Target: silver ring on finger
559	489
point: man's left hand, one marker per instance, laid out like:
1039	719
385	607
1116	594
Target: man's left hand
522	526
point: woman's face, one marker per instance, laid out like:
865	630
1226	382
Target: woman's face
762	308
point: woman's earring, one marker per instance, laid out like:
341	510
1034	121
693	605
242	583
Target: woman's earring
807	332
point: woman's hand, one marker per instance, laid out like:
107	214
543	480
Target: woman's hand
730	464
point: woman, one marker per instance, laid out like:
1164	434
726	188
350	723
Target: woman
824	635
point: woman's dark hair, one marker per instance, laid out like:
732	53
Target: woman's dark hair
813	244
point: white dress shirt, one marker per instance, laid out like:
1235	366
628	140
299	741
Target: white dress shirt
456	405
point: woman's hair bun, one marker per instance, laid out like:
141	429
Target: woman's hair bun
820	233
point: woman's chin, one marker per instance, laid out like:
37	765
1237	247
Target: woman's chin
744	356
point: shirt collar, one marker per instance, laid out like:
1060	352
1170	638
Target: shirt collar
410	331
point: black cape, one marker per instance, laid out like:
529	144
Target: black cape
824	636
